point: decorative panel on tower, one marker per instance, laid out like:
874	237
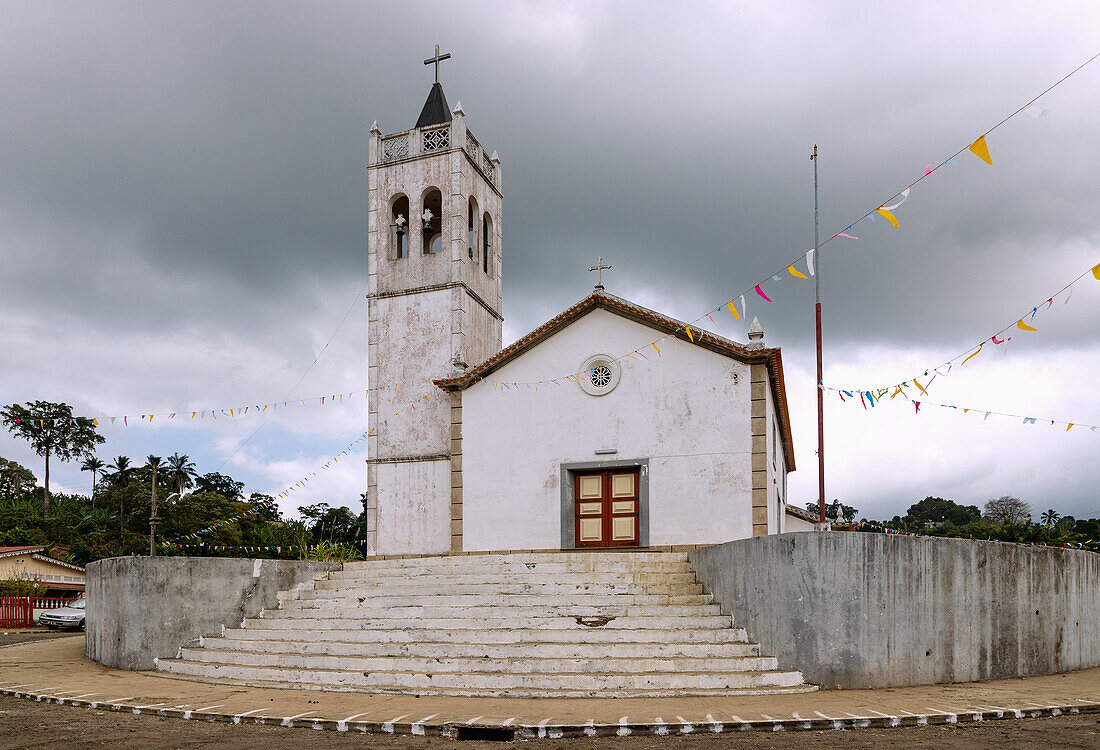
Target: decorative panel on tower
435	256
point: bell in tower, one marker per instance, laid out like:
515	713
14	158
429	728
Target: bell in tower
434	300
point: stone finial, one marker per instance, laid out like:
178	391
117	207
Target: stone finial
375	130
458	111
756	332
495	159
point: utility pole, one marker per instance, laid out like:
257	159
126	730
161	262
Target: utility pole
153	516
820	391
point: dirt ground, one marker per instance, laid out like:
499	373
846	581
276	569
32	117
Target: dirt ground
26	724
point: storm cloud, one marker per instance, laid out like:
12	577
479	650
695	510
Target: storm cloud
183	211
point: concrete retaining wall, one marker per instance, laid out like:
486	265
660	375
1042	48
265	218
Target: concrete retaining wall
854	610
143	608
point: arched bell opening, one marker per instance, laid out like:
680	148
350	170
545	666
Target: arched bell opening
431	221
399	226
486	241
471	229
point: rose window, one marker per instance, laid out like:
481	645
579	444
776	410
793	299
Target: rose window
601	376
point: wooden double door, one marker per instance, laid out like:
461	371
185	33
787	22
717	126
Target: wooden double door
606	508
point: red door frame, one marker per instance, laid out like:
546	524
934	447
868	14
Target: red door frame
606	514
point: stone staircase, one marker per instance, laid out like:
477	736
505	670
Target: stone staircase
568	624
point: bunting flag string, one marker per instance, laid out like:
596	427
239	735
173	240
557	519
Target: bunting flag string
999	339
885	210
346	451
235	412
874	397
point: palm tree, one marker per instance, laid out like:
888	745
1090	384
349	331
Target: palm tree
181	472
120	470
1050	517
95	466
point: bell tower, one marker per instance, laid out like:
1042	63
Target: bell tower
434	299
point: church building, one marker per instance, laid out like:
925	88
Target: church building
472	448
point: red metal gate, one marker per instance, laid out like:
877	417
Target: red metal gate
16	612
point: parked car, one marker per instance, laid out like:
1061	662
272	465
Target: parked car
69	616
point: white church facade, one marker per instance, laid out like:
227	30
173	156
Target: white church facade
689	447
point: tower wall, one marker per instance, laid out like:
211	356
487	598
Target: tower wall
430	315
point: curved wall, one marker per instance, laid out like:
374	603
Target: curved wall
855	610
145	608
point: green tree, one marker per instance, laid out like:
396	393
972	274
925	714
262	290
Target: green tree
181	472
95	466
225	486
1050	517
120	470
831	509
51	430
332	524
120	476
14	479
935	510
264	507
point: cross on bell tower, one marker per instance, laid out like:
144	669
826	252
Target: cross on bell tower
436	60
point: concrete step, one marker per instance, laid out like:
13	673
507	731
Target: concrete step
348	599
212	654
532	649
513	567
571	624
347	579
520	693
603	638
506	586
503	609
583	557
549	622
493	683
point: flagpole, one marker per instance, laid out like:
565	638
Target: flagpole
820	391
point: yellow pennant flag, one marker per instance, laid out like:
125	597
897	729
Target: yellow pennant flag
975	354
920	386
95	421
654	345
1096	270
796	273
1024	326
1069	426
981	150
690	337
889	216
737	315
231	412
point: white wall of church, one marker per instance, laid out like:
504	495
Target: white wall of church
687	411
411	517
412	328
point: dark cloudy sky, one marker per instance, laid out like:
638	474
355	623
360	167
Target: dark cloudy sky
183	223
